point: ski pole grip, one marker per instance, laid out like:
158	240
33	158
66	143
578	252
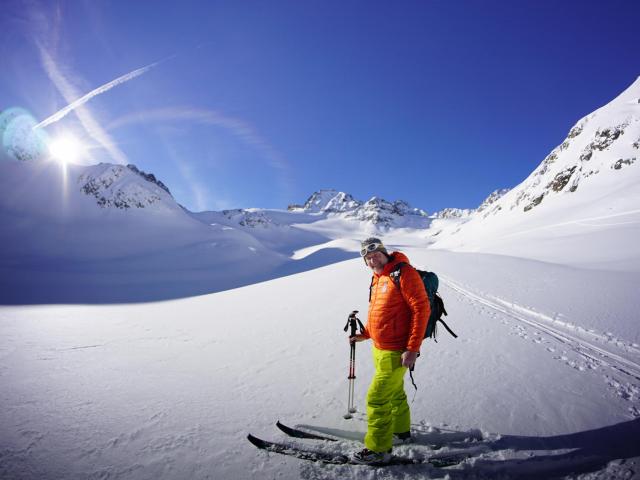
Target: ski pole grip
351	322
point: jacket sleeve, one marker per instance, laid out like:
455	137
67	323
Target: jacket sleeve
416	297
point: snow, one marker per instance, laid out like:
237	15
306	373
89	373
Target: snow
139	340
577	207
170	389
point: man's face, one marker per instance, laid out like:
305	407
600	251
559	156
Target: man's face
376	260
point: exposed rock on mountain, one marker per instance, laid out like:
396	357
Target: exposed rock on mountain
249	217
383	213
376	211
149	177
120	187
591	179
487	206
330	201
492	199
453	213
603	141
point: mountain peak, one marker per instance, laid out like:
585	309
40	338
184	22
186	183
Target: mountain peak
330	201
376	210
121	187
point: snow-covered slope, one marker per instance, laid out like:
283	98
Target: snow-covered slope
546	370
580	206
111	233
106	233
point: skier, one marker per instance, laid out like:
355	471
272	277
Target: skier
396	323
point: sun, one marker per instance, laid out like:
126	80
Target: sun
65	148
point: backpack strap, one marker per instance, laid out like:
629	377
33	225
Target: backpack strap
395	273
371	287
440	303
413	382
395	276
447	327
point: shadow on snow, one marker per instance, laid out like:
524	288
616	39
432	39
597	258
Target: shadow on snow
155	277
513	456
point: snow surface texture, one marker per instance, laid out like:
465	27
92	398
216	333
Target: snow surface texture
170	389
542	290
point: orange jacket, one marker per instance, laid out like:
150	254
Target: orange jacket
397	318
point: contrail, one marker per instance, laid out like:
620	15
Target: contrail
69	93
84	99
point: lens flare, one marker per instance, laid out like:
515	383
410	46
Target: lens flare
65	149
19	140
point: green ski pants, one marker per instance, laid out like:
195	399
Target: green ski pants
387	407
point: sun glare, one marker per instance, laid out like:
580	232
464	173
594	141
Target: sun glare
65	149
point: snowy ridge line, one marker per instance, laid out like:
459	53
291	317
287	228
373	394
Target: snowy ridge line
580	346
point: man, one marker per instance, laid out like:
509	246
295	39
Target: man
396	323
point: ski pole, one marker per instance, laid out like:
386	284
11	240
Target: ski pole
352	323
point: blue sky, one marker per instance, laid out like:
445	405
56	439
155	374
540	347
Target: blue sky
260	103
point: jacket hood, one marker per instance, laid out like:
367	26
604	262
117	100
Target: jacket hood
396	257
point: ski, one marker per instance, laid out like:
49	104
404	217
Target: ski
303	453
297	433
333	435
435	439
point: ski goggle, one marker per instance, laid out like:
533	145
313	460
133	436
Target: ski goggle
372	247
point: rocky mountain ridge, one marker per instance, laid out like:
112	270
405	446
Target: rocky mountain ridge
592	174
251	218
119	186
327	203
599	145
114	186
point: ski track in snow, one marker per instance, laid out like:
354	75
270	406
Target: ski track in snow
596	350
